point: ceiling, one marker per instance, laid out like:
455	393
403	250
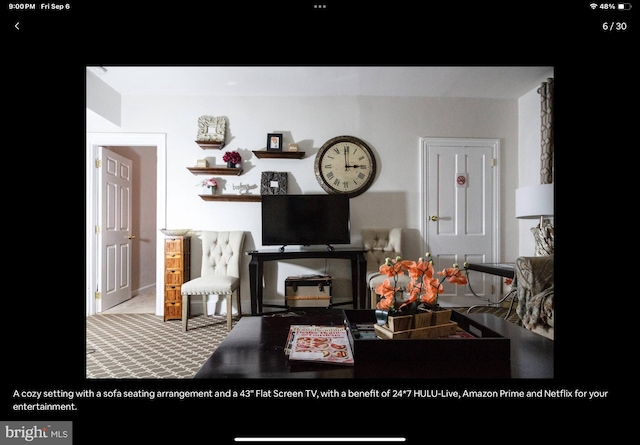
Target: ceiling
471	82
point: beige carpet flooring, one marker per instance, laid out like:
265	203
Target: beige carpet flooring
143	303
144	346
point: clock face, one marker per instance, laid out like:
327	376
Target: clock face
346	165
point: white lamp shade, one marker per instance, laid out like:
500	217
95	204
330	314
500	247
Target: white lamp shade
534	201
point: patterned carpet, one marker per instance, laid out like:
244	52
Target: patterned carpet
143	346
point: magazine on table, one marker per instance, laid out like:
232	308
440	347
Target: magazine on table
326	344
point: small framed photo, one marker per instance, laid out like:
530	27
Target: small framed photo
273	183
274	141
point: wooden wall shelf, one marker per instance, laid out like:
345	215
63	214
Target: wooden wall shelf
270	154
210	145
215	171
240	198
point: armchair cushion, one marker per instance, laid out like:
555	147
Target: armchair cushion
211	285
381	244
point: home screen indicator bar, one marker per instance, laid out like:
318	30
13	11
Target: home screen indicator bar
320	439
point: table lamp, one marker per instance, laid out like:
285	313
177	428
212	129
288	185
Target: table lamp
536	201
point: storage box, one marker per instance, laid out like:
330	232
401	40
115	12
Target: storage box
486	355
308	291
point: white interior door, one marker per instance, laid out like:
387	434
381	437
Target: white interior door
460	215
115	230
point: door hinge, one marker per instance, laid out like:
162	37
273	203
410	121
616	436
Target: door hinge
98	229
494	162
493	289
98	295
98	163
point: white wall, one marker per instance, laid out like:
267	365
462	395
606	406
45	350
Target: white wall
391	126
102	100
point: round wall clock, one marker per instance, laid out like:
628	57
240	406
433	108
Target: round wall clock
345	165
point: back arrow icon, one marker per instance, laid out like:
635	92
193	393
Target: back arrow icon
16	25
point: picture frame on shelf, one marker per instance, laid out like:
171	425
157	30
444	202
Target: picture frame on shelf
274	141
211	129
273	183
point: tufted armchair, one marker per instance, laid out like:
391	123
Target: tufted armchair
381	244
534	286
220	272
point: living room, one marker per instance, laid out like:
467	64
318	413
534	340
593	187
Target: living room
164	127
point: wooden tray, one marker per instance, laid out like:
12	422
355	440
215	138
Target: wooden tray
441	330
485	356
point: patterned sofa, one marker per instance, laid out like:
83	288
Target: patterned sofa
534	287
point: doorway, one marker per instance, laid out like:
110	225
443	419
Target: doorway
460	211
94	141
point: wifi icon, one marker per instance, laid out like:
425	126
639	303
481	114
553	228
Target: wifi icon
593	5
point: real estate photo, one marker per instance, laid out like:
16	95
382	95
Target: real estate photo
319	222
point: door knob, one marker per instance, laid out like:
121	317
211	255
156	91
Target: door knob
131	236
434	218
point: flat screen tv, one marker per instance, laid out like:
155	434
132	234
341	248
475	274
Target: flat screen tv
305	220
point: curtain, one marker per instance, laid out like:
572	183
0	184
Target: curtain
546	129
544	234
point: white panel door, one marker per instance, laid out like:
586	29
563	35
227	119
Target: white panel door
461	211
115	230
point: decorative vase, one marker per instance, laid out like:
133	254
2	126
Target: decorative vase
440	316
213	190
420	325
381	316
422	319
400	323
231	164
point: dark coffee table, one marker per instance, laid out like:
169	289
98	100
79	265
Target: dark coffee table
255	349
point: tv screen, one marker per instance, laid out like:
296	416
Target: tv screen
305	220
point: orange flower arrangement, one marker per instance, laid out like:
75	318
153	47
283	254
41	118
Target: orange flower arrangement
424	287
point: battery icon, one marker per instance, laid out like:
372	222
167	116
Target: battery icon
624	6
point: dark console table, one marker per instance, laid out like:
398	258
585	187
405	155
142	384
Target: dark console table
259	257
506	270
501	269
